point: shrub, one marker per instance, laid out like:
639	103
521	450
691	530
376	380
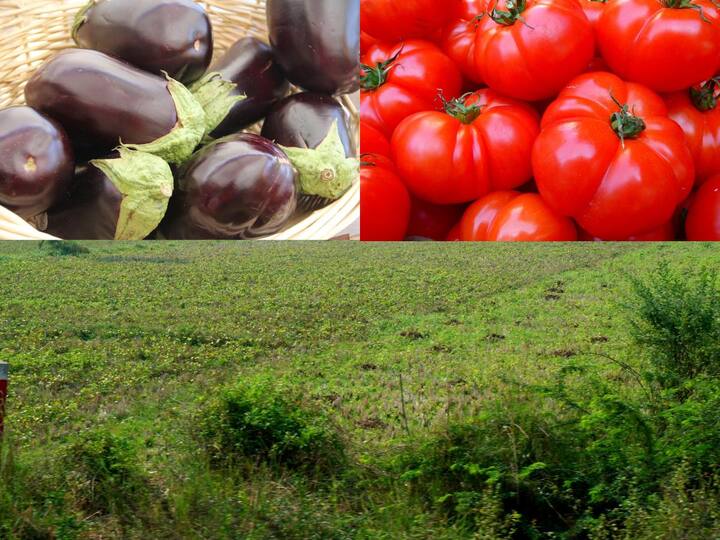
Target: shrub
64	248
261	422
675	317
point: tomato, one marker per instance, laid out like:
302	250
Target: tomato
393	20
529	49
403	79
373	141
461	36
697	112
597	64
366	41
454	234
432	220
384	202
666	45
593	9
703	218
664	233
609	157
509	216
478	145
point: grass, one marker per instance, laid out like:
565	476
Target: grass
114	355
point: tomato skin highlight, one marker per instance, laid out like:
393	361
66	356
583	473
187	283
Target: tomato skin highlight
392	20
384	202
667	49
613	189
703	218
445	161
432	221
534	57
372	141
702	132
413	83
509	216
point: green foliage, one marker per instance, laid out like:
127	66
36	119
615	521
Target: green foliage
257	421
64	248
675	318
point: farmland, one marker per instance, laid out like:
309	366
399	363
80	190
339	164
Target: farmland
389	344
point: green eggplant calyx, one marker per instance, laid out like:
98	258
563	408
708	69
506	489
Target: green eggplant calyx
624	123
146	184
177	146
325	171
80	19
217	97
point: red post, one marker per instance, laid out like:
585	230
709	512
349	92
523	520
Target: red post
4	369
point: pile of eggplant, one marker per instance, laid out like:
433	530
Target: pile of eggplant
136	133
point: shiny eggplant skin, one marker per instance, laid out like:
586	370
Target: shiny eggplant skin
250	64
317	42
89	210
242	186
304	120
174	36
100	100
36	161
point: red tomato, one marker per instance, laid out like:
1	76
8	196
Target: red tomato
618	171
597	64
373	141
366	41
593	9
476	146
393	20
703	218
530	49
697	112
509	216
666	45
384	202
664	233
461	36
432	220
454	234
403	79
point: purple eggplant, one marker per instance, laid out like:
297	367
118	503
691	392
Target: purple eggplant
171	36
121	198
36	161
242	186
317	42
101	102
250	65
313	130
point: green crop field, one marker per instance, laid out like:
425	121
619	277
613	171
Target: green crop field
400	391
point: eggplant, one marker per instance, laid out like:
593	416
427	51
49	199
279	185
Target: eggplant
171	36
123	197
102	102
317	42
251	66
36	161
239	187
312	129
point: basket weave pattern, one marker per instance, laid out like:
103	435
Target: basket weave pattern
31	31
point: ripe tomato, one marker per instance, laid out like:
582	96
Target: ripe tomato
373	141
461	36
390	20
403	79
697	112
509	216
703	218
609	156
480	144
384	202
454	234
667	46
432	220
593	9
664	233
529	49
366	41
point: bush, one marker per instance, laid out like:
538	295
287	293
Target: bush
260	422
675	317
64	248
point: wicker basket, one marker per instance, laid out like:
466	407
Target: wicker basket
33	30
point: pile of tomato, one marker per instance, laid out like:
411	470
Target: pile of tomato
540	120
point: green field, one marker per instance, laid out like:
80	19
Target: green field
118	355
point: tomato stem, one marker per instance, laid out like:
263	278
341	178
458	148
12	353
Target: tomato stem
457	108
512	13
686	4
375	76
705	98
625	124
